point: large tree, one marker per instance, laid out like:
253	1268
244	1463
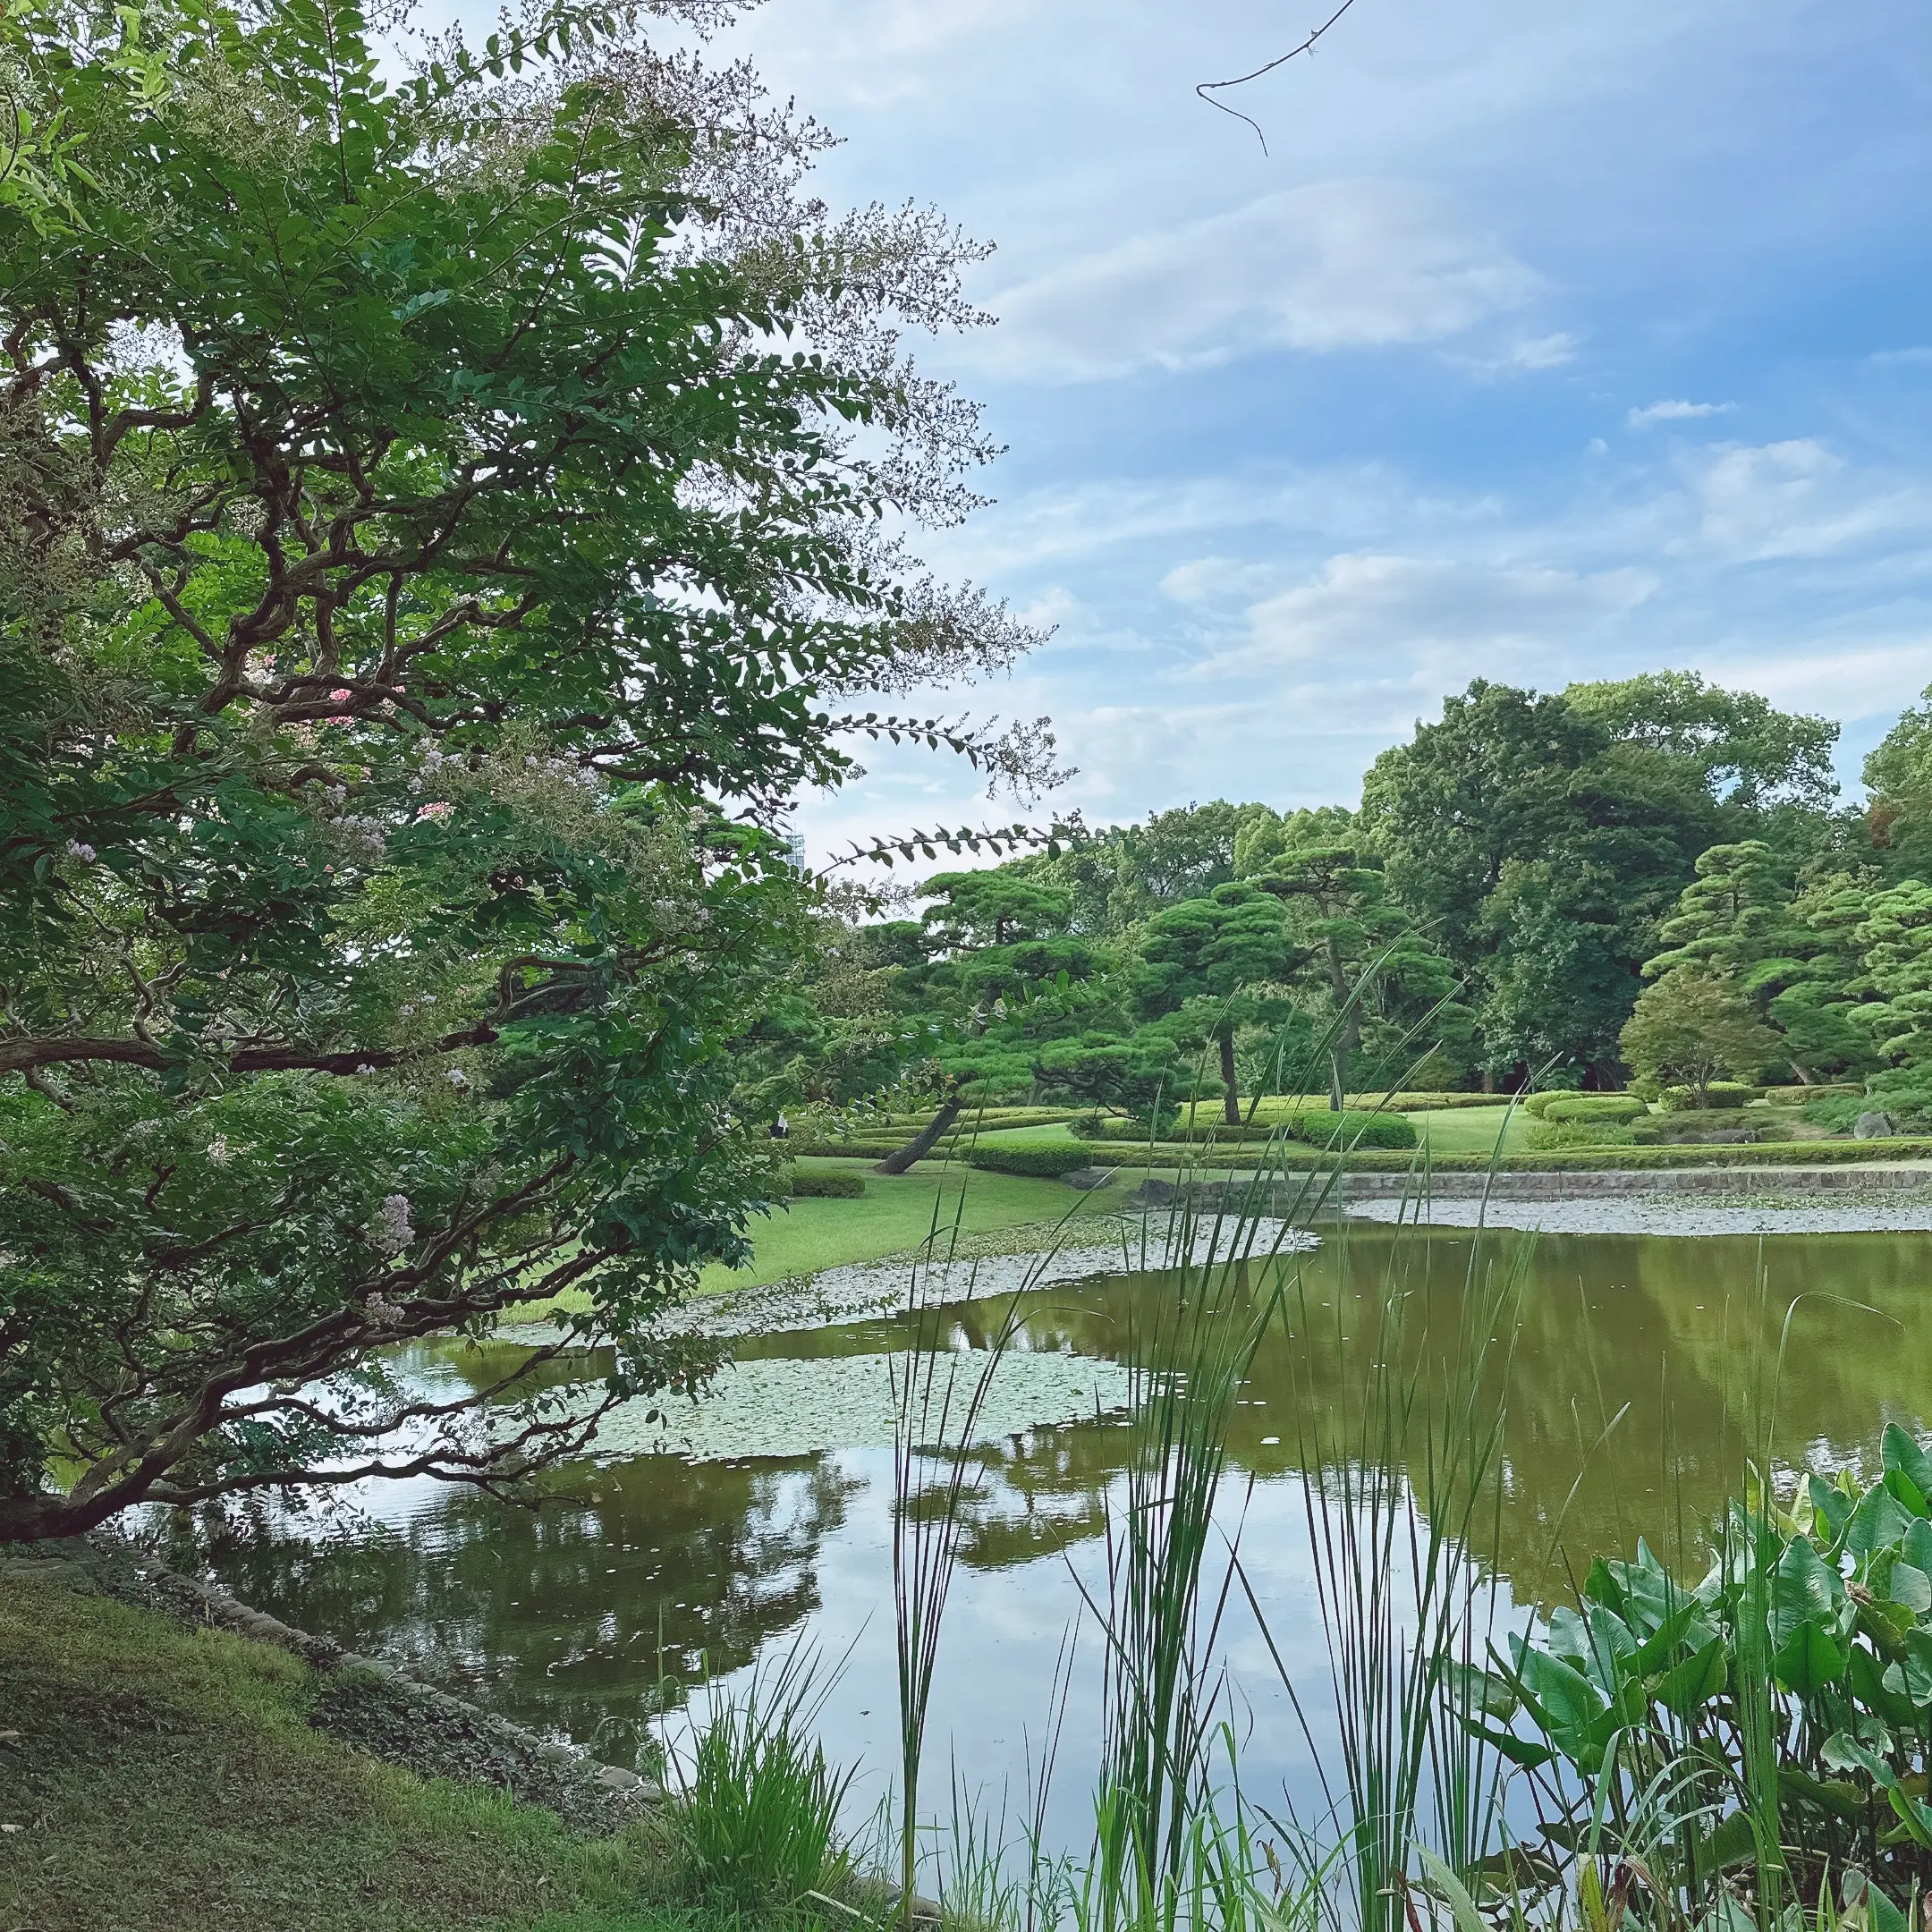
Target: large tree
434	536
1364	965
1547	837
1215	964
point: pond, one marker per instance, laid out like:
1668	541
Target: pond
1629	1398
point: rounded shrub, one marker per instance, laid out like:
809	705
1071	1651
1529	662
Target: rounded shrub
1594	1110
818	1185
1350	1129
1047	1162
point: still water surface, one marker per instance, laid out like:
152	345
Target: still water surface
638	1576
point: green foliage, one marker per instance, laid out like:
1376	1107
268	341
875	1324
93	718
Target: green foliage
1648	1676
1717	1093
422	569
1365	970
823	1186
1691	1027
1899	776
1207	967
1546	838
1311	1126
1749	754
760	1811
1045	1161
1729	918
1591	1110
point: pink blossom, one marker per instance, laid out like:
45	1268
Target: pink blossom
438	811
340	695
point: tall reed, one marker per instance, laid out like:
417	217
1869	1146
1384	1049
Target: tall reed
1400	1497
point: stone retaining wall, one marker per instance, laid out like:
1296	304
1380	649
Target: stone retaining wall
1599	1184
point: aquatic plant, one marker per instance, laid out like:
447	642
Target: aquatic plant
758	1822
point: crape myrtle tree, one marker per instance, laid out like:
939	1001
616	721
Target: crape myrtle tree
439	528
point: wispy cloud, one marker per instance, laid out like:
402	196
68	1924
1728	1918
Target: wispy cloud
1675	412
1386	610
1336	265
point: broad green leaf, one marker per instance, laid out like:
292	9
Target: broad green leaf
1900	1451
1686	1686
1805	1588
1879	1522
1810	1660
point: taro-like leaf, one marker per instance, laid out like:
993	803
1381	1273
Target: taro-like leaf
1899	1451
1869	1688
1477	1690
1566	1699
1569	1634
1731	1842
1918	1666
1878	1522
1833	1506
1810	1660
1916	1547
1805	1589
1844	1752
1685	1686
1910	1585
1833	1795
1521	1752
1914	1814
1662	1641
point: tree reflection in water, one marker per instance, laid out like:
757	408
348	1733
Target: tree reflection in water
553	1616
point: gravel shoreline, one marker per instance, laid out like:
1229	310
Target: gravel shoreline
1661	1214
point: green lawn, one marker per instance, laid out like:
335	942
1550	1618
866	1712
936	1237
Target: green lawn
899	1211
1470	1129
154	1779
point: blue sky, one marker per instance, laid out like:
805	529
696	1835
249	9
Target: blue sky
1543	343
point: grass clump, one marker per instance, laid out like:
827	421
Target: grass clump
761	1821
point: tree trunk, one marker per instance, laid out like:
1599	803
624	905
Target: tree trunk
1230	1099
923	1142
1348	1018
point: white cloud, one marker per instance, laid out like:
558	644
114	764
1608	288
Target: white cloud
1217	579
1385	610
1798	498
1524	357
1336	265
1675	412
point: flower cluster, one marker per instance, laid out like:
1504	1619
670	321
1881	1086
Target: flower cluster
389	1230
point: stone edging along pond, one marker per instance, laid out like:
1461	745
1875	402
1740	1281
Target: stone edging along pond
1514	1185
367	1704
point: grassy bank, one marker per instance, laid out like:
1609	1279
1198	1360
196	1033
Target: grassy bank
154	1779
898	1212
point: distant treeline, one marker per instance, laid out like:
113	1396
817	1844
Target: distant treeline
1653	879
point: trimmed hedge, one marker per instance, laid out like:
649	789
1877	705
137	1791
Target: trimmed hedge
1043	1160
1591	1110
1317	1127
1580	1160
826	1186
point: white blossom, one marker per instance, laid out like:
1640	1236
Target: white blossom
389	1229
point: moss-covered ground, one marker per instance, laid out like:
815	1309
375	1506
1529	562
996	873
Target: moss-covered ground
155	1779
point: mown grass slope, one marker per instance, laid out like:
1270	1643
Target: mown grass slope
154	1779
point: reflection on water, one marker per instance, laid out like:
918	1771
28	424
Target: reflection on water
633	1578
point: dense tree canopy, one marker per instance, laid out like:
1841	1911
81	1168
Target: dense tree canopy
435	535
